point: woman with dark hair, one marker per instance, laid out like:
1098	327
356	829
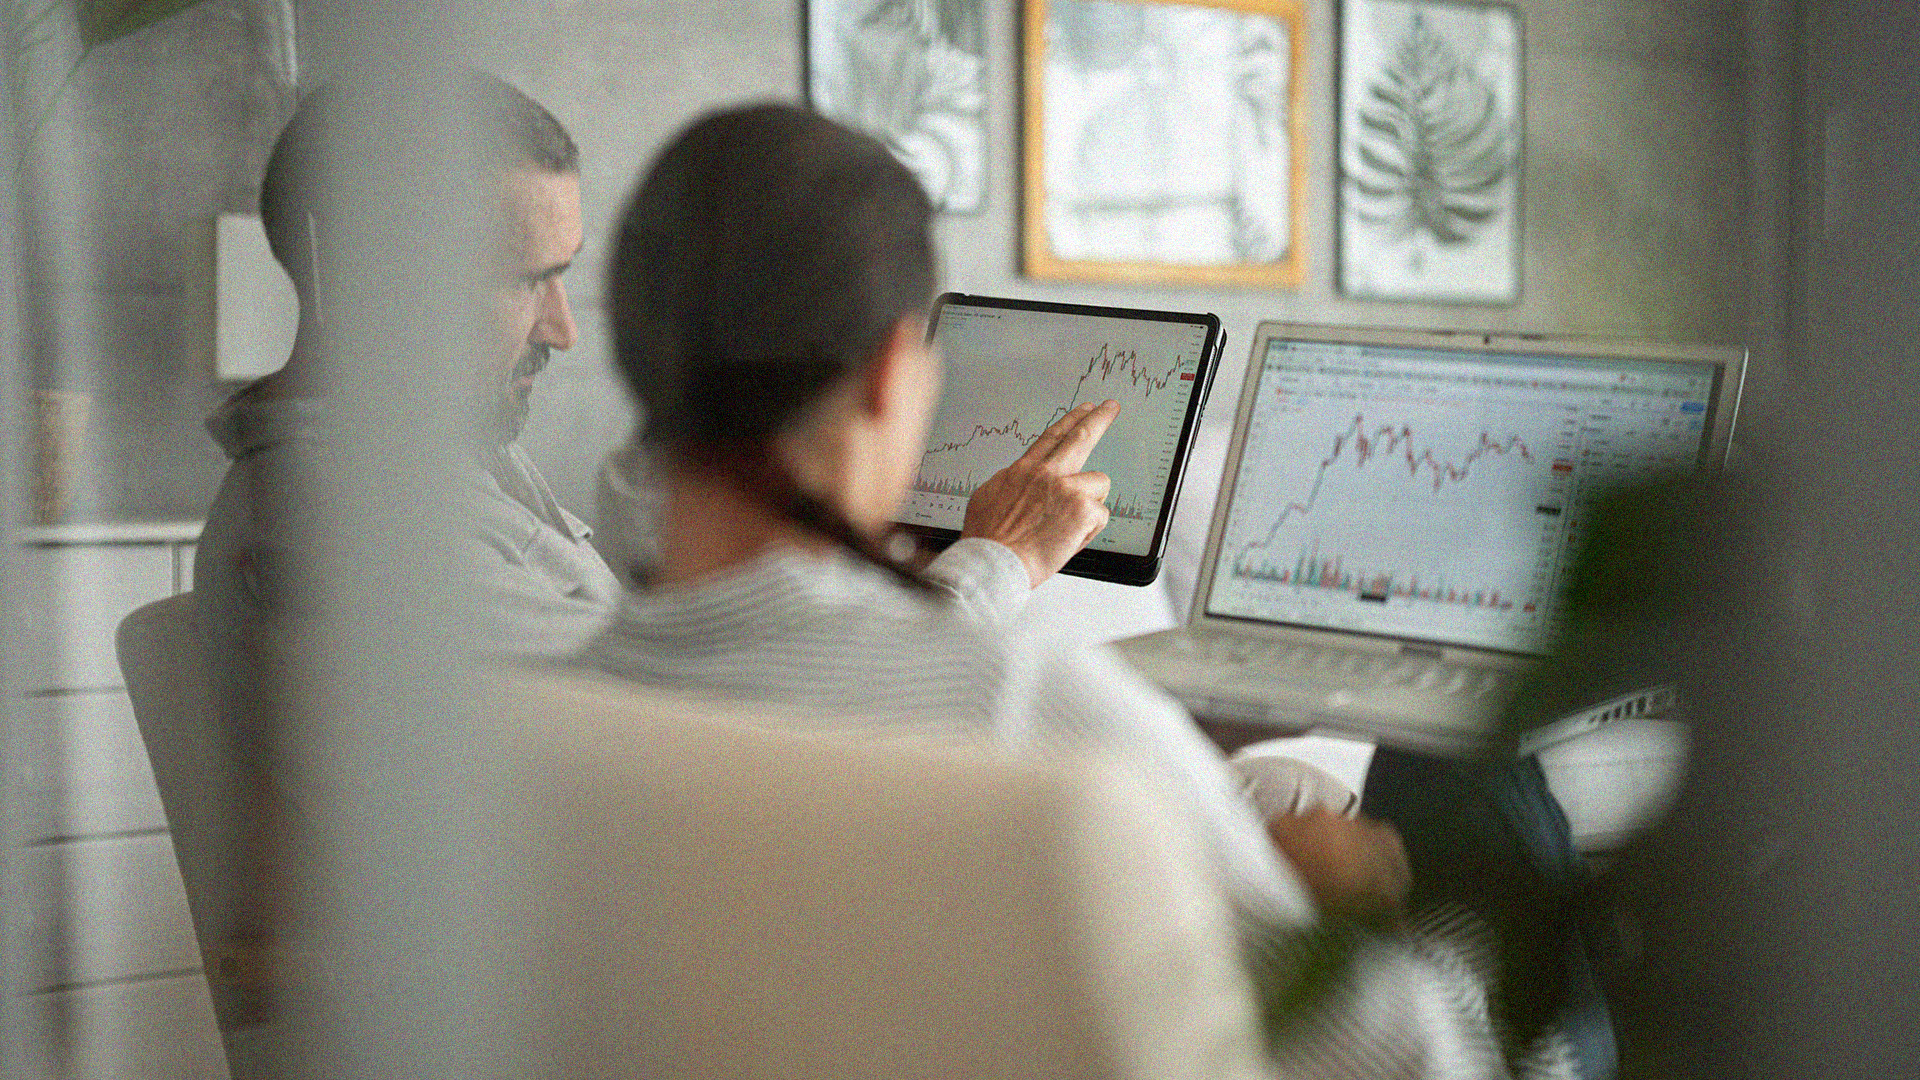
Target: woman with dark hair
772	268
768	290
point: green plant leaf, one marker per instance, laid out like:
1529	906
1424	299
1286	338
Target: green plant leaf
102	21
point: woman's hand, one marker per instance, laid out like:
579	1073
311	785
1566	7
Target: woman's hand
1041	506
1356	868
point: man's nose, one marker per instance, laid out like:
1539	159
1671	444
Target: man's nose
555	327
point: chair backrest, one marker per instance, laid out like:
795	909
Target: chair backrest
164	662
713	897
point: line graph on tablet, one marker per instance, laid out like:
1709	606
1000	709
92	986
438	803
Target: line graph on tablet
1005	386
1113	373
1107	365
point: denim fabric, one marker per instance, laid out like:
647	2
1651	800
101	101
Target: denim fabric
1492	839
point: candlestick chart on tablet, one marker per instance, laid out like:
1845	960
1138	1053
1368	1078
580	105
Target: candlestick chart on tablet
1012	373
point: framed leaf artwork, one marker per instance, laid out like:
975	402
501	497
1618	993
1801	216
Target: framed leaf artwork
1164	141
913	74
1429	151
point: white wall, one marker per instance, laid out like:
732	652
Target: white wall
1637	200
1638	193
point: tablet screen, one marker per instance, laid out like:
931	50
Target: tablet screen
1015	367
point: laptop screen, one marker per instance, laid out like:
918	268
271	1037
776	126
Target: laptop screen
1432	493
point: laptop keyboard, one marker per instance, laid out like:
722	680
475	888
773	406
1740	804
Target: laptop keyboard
1360	670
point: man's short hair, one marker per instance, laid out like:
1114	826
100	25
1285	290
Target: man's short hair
514	131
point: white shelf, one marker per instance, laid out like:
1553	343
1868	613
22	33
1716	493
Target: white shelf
111	532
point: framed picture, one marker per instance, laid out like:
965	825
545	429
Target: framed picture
1164	141
1430	151
913	74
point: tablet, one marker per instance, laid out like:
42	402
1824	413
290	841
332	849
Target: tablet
1013	367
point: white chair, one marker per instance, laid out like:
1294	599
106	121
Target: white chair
712	897
165	667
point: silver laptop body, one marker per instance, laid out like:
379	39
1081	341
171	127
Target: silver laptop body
1399	510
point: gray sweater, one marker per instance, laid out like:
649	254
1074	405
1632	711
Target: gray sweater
542	589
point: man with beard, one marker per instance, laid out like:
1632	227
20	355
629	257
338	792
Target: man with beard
546	588
541	586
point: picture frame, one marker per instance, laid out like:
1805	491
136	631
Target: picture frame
913	74
1164	141
1441	83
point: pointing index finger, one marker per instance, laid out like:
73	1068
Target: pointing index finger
1078	436
1043	444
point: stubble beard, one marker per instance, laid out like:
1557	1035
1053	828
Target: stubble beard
515	398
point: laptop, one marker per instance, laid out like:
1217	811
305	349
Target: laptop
1400	510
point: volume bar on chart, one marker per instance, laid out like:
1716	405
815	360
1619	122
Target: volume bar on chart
1311	570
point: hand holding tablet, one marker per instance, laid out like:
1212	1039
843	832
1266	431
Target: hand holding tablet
1042	506
1018	373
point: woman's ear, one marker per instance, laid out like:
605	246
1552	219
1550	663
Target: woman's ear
903	375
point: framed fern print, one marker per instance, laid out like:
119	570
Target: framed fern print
1164	141
1429	151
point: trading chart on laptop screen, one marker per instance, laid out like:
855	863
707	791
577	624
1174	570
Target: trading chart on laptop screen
1010	374
1437	495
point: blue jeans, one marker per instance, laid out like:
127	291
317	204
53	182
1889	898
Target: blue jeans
1491	838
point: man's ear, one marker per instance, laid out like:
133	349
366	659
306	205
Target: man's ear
895	372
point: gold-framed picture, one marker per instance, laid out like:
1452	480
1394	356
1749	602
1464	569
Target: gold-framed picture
1164	141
